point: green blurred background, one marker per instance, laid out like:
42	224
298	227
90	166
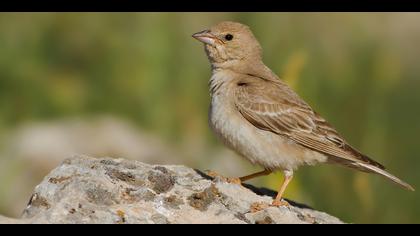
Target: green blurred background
60	74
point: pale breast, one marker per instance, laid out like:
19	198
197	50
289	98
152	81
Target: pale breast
264	148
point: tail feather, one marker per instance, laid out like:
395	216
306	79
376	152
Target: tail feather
382	172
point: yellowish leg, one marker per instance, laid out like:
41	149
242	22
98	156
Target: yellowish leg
247	177
258	174
241	179
288	176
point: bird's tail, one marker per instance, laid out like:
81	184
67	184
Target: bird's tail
374	169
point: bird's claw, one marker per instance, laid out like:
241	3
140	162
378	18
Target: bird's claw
230	180
234	181
258	206
279	203
212	174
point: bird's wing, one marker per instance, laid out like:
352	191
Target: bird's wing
272	106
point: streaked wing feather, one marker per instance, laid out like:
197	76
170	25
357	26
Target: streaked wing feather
276	108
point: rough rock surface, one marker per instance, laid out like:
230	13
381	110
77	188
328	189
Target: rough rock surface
91	190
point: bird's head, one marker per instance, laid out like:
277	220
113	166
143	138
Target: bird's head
228	44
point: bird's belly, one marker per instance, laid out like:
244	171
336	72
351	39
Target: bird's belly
261	147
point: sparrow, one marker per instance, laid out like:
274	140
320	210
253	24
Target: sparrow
262	119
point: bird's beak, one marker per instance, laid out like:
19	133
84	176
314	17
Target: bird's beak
206	37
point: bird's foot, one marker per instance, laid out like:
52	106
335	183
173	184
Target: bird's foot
258	206
231	180
279	203
212	174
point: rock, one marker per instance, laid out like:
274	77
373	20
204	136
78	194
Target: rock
92	190
33	149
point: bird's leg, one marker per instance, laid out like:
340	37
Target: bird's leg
247	177
251	176
241	179
216	175
288	176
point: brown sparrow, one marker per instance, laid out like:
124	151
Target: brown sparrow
262	119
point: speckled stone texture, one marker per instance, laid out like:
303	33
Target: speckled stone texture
118	191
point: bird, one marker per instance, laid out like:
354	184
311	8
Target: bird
257	115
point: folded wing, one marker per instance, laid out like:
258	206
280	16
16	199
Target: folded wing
272	106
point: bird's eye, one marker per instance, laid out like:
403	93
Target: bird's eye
228	37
